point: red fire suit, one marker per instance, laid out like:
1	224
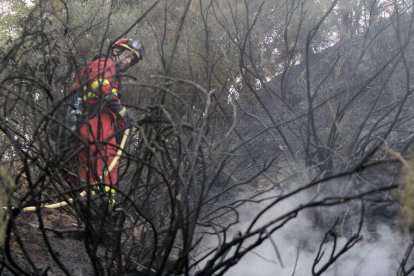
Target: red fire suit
99	83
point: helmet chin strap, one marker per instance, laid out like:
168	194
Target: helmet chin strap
123	69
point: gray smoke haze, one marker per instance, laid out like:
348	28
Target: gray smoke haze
369	257
297	244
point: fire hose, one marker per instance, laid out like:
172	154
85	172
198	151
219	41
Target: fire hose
82	194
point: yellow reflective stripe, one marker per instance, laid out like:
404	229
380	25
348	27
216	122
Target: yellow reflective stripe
112	191
99	83
89	95
109	189
95	87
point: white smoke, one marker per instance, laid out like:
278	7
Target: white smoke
297	244
380	257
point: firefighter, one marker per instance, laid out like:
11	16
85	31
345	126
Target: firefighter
99	85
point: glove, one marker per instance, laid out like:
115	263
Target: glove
126	117
129	120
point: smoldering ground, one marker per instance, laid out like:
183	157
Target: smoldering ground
297	245
293	248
